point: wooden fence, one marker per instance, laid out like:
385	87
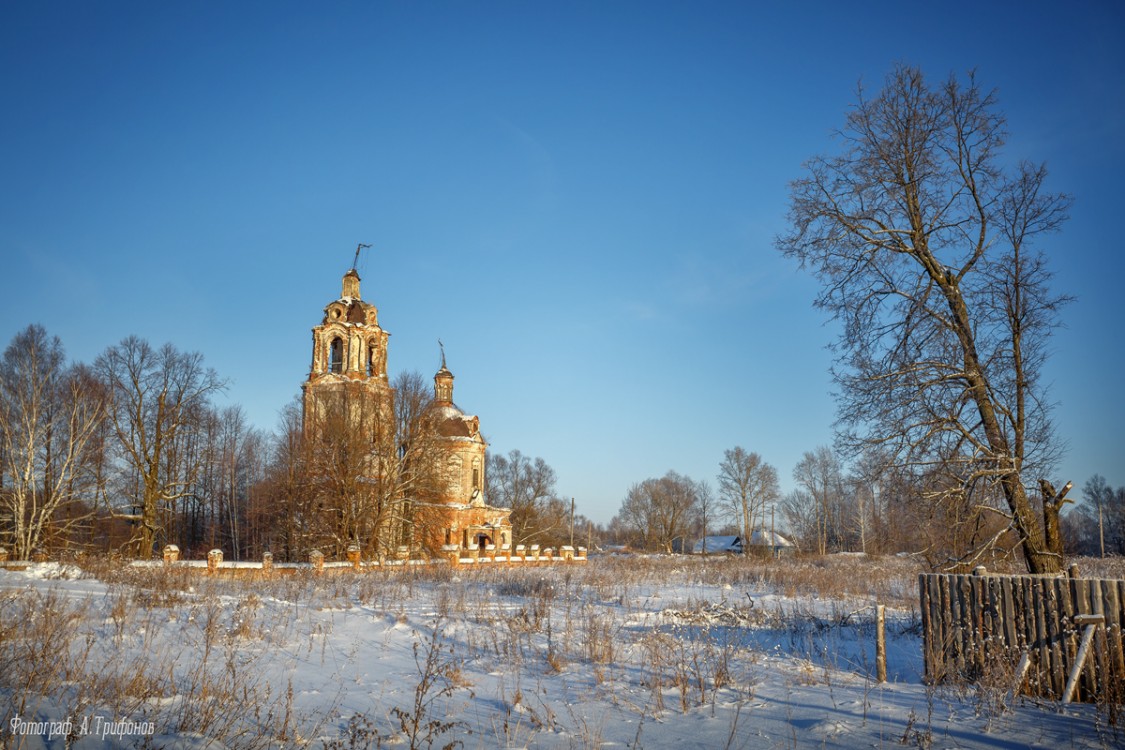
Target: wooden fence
1027	630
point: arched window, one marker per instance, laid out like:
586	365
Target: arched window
336	355
476	473
372	354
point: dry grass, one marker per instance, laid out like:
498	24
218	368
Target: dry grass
540	622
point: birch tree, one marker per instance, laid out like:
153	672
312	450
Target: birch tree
922	236
49	414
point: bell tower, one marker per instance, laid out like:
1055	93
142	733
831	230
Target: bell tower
349	361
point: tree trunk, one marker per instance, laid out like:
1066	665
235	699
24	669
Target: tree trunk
1038	555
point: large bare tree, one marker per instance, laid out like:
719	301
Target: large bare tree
527	486
156	397
662	510
921	234
747	485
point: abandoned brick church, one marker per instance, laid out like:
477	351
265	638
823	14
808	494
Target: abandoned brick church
349	366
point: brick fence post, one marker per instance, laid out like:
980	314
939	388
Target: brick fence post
453	553
171	554
214	560
267	562
316	559
354	556
3	555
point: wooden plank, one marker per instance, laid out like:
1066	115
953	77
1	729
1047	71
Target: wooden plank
1115	672
1070	636
1038	621
1008	616
967	659
1054	634
1020	676
941	642
996	601
1081	659
928	656
976	625
1081	594
949	643
1095	671
988	620
949	624
1021	587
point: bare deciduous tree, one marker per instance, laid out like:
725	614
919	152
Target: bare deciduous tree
1106	510
527	486
662	510
155	396
49	413
821	476
747	486
286	488
923	243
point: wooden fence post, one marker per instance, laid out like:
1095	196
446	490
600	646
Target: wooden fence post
880	643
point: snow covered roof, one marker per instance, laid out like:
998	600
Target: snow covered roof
770	539
758	538
718	544
454	423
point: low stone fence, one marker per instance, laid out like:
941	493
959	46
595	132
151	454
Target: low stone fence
506	555
450	555
37	556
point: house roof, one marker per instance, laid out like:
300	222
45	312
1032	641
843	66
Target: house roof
734	543
769	538
718	544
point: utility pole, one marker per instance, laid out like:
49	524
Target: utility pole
572	522
774	549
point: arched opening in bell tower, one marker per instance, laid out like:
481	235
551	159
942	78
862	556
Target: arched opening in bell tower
372	358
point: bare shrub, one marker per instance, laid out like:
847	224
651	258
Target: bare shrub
440	676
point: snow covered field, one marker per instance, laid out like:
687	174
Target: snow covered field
621	652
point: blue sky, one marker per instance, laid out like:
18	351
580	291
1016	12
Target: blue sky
579	199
